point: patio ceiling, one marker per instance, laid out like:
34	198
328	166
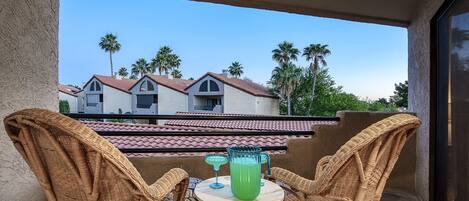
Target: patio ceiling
387	12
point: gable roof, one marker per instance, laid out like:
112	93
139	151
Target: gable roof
68	89
120	84
243	85
174	84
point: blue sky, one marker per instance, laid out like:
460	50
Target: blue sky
367	59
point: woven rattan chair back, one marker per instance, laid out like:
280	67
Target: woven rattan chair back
71	161
359	169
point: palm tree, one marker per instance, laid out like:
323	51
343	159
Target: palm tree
285	53
176	74
122	72
109	44
316	54
165	60
285	79
140	67
133	77
236	69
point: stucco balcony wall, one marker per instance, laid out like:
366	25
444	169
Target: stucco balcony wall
302	154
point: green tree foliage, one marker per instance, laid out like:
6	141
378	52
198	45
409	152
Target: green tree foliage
176	73
165	61
285	79
316	54
285	53
140	67
400	94
235	69
133	77
330	98
122	72
64	107
109	44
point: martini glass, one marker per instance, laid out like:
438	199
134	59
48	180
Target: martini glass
216	160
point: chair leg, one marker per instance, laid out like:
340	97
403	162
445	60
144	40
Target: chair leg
181	190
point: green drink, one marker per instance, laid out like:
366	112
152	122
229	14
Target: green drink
245	178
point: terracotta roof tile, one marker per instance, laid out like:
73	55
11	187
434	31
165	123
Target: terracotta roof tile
120	84
245	124
176	84
68	89
243	85
180	141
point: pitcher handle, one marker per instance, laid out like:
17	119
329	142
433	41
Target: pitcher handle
268	162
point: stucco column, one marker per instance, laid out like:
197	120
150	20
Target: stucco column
419	87
28	78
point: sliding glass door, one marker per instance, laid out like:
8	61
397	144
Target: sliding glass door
452	102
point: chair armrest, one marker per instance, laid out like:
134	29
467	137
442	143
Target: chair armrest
322	164
293	180
164	185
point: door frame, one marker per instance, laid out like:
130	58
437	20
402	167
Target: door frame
439	73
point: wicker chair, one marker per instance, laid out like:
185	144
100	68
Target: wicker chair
359	169
72	162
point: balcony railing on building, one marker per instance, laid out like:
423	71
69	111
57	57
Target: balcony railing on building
209	108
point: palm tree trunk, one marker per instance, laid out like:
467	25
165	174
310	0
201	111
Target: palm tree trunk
110	59
314	71
289	105
314	85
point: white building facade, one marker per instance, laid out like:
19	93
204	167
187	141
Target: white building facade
218	93
106	95
152	94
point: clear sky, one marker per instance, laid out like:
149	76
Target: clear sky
367	59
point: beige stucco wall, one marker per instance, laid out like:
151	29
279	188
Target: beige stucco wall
28	53
419	87
171	101
114	99
267	106
238	102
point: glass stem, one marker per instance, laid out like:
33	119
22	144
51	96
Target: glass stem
216	176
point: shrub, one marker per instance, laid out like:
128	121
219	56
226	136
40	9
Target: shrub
64	107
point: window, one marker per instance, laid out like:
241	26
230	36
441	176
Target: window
150	86
203	87
95	86
213	102
213	86
92	100
145	101
147	86
155	99
143	86
98	86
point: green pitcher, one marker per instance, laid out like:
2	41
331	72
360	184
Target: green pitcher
245	171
